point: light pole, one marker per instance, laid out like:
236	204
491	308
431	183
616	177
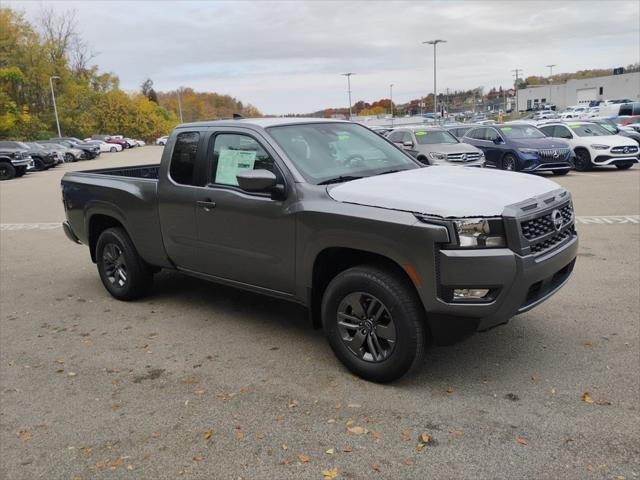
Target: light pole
180	105
550	75
435	90
348	75
391	101
55	108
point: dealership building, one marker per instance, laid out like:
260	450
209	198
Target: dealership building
581	92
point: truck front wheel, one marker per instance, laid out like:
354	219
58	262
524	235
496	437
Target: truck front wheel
374	322
123	273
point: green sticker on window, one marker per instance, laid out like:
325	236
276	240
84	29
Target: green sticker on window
344	136
506	129
575	125
421	133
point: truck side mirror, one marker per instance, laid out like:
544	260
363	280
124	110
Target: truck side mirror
256	180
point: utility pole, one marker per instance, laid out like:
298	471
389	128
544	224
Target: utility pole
550	75
517	72
435	90
348	75
55	108
180	105
391	101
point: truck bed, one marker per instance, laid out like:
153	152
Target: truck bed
138	171
128	194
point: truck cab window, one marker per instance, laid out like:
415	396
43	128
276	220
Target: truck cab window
234	153
183	159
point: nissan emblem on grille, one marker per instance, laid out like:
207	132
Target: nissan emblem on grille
555	154
556	217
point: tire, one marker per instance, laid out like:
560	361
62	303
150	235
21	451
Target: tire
7	171
38	164
583	160
560	172
509	163
398	335
68	158
20	171
624	166
123	273
113	149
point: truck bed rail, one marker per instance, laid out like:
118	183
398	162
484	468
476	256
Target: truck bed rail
138	171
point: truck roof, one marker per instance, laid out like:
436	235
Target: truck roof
261	122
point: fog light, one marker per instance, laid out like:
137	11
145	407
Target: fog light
462	293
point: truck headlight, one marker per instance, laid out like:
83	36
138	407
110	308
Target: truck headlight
530	151
480	233
437	156
600	147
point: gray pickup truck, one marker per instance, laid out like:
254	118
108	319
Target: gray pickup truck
386	254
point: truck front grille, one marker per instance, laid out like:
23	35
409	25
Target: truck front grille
540	225
463	157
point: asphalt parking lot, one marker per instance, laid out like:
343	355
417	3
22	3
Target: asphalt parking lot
203	381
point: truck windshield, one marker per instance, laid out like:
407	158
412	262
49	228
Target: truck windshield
338	151
432	137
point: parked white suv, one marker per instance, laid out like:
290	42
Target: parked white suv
573	112
594	145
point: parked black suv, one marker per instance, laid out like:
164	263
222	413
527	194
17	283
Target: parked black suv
521	147
42	159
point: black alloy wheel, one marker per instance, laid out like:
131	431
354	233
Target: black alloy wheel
583	160
509	163
7	171
366	327
115	265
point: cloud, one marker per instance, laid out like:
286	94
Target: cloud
287	56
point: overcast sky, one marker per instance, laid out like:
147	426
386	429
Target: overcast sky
288	56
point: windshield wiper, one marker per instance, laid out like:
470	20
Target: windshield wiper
392	171
340	179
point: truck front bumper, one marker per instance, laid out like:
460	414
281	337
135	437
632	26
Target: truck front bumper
68	231
516	283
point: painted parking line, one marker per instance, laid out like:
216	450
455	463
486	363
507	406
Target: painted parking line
584	220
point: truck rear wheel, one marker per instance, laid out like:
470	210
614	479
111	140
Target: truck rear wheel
374	322
123	273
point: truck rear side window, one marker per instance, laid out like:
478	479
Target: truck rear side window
183	160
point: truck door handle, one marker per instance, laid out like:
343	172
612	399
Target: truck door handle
206	204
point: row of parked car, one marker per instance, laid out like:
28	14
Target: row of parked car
549	146
18	158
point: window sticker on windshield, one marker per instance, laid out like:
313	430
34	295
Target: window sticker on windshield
575	125
344	136
233	162
506	129
419	134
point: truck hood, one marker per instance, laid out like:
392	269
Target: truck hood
444	191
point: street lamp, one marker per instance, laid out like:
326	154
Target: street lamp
391	101
435	91
550	75
55	108
348	75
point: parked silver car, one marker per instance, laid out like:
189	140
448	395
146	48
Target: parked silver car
436	146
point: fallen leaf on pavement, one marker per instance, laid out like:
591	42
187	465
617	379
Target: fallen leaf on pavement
239	435
303	458
347	449
24	434
330	451
285	446
200	392
407	461
357	430
521	441
424	438
406	435
292	403
60	360
72	374
586	397
449	389
198	458
354	405
602	402
208	434
376	467
330	473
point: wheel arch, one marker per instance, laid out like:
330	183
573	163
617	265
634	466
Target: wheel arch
97	224
333	260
